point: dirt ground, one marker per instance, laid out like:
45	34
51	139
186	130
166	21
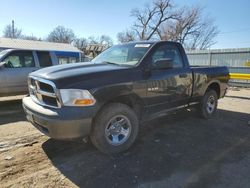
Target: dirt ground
180	150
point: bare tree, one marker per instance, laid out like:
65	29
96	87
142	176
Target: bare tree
106	40
205	38
93	40
191	29
8	32
62	35
162	21
102	40
126	36
150	18
81	43
31	37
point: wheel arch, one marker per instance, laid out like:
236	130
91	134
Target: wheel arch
215	85
129	99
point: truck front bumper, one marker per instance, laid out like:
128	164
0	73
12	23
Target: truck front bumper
59	123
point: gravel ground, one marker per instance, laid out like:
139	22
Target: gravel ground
180	150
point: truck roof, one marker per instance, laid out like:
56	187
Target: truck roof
151	42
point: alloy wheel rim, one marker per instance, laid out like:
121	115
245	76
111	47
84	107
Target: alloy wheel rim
118	130
211	104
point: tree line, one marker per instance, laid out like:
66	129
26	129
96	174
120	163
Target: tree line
60	34
159	20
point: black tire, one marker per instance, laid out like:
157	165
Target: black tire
205	110
102	127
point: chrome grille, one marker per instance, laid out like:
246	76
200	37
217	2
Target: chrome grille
43	92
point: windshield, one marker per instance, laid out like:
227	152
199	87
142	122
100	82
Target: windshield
2	53
126	54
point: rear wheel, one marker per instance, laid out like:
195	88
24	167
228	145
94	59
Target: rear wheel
208	106
115	128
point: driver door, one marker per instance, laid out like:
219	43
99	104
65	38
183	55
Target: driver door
18	65
168	88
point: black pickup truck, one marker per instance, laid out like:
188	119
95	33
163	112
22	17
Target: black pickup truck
109	97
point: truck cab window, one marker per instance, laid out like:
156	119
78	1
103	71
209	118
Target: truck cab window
168	52
19	60
44	59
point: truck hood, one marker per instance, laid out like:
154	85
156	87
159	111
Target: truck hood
74	69
88	74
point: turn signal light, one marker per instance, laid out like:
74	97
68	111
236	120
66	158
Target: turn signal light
84	102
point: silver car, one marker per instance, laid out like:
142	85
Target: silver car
15	66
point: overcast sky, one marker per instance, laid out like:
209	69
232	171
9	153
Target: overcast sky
97	17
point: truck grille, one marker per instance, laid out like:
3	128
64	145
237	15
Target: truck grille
43	92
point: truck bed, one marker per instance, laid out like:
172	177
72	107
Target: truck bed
204	75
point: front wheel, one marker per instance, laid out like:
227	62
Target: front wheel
115	128
208	106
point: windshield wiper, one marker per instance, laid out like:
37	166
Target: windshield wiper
118	64
111	63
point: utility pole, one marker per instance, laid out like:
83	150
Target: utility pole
13	29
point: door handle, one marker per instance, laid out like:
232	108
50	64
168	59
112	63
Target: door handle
183	75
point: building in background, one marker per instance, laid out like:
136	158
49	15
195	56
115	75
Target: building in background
65	53
95	49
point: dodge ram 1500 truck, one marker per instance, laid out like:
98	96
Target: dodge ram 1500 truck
107	98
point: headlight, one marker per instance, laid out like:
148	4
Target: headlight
76	97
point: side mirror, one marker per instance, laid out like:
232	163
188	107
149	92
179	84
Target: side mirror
163	64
